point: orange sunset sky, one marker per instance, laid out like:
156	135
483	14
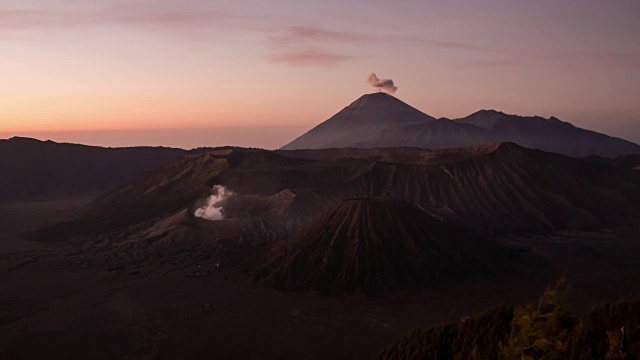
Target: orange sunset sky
259	73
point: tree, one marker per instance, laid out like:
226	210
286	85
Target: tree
542	331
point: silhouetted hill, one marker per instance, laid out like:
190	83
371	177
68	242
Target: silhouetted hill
33	168
627	161
374	245
380	120
549	134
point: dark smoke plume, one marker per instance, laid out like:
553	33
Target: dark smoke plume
382	84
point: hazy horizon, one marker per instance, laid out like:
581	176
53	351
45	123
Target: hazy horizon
184	138
108	72
268	136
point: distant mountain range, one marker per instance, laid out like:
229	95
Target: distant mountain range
381	120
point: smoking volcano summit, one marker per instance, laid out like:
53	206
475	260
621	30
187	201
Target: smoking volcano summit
359	123
381	120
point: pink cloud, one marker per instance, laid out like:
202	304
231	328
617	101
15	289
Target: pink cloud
297	35
309	58
303	34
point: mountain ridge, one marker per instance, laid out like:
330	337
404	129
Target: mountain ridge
379	125
487	189
45	169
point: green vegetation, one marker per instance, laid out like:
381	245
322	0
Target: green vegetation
541	331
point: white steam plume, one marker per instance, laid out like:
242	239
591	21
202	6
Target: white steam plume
381	84
212	209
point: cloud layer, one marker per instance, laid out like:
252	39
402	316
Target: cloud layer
309	58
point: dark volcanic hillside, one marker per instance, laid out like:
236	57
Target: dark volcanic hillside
36	169
380	120
254	175
491	189
373	245
155	195
627	161
505	188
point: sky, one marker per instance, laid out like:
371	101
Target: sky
259	73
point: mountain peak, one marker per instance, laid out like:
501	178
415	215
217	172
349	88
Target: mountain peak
486	112
22	139
376	96
379	101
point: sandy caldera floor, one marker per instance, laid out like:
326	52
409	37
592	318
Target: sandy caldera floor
155	311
